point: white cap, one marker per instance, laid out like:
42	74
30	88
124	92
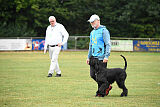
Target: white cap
51	17
93	18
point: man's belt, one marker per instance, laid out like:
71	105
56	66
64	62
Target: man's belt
53	45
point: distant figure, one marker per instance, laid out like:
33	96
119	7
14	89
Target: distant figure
36	45
56	36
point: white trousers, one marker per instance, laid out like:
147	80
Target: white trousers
53	53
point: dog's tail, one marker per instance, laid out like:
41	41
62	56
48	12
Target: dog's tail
125	67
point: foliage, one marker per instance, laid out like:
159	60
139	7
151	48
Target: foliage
123	18
78	43
12	30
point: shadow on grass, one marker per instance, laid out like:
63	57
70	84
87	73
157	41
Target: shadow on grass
113	96
118	96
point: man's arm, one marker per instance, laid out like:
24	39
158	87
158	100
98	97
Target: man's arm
106	39
65	35
46	42
90	49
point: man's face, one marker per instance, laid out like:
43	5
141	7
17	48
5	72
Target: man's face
52	22
95	24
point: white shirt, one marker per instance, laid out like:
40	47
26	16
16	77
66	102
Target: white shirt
55	35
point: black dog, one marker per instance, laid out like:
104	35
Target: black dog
105	76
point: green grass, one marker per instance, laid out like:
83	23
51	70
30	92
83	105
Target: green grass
23	81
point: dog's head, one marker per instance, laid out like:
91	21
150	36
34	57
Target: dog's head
94	62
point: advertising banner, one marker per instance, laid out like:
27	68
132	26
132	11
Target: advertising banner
121	45
15	44
38	44
143	45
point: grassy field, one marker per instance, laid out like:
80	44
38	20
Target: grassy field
23	81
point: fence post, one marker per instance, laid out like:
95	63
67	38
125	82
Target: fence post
75	42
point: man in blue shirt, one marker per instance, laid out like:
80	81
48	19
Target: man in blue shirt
99	46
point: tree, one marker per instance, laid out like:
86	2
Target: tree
123	18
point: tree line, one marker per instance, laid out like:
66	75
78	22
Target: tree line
123	18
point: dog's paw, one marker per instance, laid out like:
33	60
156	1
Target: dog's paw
123	94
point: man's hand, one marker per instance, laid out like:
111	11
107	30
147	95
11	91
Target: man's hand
105	60
59	44
87	61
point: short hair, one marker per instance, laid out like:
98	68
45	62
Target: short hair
51	17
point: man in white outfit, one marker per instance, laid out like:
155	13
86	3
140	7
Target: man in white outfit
56	36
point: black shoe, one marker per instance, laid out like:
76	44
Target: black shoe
58	75
49	75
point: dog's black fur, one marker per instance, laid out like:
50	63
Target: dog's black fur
105	76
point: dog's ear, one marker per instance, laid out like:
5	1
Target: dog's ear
96	67
97	64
